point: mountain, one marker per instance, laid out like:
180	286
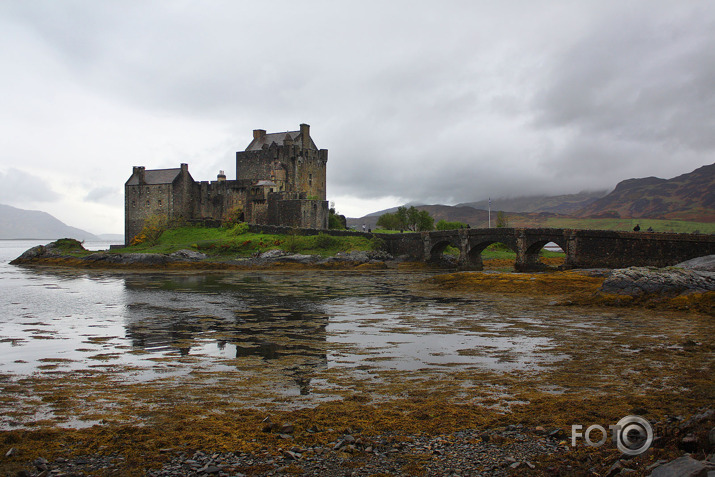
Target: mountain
33	224
689	196
557	204
450	213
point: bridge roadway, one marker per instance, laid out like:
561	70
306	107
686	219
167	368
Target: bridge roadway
583	248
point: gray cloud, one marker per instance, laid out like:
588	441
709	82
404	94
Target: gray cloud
105	194
431	103
17	187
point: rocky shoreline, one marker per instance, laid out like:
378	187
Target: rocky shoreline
505	451
52	254
687	286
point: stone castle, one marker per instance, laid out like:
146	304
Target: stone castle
280	180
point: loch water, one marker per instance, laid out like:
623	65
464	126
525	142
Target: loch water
142	326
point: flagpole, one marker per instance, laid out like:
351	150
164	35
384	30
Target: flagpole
490	212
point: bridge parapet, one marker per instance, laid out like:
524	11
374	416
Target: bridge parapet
583	248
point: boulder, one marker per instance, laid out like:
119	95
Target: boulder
684	466
638	281
706	264
188	255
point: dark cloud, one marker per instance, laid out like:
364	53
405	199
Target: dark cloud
638	80
430	103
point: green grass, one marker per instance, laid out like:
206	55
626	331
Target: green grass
219	242
500	251
658	225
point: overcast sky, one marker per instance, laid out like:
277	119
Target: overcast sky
421	101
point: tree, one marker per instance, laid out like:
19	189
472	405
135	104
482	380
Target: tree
389	221
335	220
444	225
419	220
502	220
407	219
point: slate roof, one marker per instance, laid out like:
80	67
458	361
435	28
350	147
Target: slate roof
156	176
268	139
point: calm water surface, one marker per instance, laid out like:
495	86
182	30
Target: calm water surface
69	317
143	327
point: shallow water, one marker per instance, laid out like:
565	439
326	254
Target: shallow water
294	329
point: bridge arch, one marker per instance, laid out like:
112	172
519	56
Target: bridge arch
438	247
475	248
532	253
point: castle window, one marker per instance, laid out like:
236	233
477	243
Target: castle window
310	179
159	202
148	203
134	203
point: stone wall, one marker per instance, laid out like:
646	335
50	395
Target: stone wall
610	249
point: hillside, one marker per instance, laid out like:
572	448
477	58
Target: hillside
557	204
689	196
32	224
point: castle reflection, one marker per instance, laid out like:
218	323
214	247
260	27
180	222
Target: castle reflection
227	316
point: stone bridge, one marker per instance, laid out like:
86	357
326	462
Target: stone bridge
583	248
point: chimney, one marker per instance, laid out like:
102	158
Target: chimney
139	172
221	176
184	167
305	135
259	133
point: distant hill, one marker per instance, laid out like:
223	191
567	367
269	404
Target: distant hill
33	224
689	196
557	204
450	213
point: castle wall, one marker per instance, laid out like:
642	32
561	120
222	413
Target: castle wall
183	186
217	199
302	213
310	176
304	169
142	202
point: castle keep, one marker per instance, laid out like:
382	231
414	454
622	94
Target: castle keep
280	180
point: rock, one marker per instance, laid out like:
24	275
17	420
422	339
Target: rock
209	469
706	263
711	436
272	254
639	281
684	466
40	463
287	428
689	443
190	255
30	254
11	452
298	258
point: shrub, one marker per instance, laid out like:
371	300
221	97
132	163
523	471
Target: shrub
153	227
291	243
377	244
239	228
324	241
